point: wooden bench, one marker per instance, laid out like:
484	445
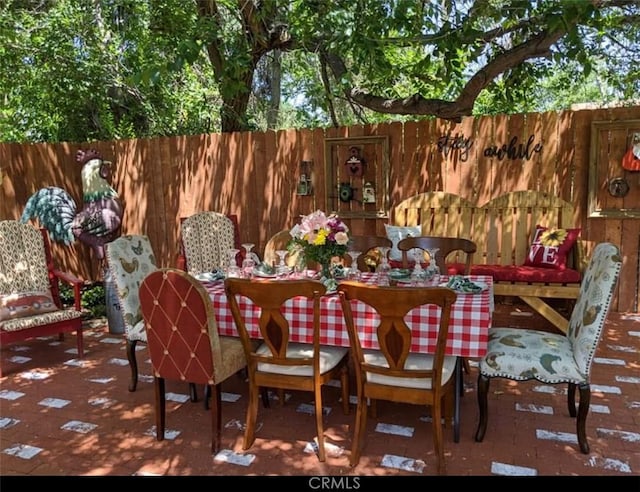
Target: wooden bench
502	230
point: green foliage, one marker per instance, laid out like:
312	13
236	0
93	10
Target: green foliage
93	298
83	70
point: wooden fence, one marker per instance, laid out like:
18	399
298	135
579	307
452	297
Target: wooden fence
257	176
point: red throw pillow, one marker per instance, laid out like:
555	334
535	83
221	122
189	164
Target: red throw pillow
550	246
26	304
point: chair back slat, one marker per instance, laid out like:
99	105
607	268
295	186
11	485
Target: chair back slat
448	248
268	297
393	334
368	246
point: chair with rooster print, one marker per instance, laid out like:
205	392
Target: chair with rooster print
130	259
521	354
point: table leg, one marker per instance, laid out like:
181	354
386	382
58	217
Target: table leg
456	401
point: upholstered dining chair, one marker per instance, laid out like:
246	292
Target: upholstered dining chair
445	247
130	258
522	354
207	238
30	303
278	362
393	372
367	245
183	341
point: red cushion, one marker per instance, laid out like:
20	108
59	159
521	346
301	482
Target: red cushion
516	273
549	247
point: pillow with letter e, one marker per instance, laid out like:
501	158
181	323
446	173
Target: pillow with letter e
550	247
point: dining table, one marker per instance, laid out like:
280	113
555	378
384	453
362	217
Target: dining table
470	319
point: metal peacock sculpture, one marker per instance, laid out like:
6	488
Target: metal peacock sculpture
99	220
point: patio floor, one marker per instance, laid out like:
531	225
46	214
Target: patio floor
64	417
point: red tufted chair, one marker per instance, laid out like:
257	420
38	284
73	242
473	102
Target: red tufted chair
183	341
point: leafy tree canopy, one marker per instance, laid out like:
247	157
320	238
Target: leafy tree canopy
75	70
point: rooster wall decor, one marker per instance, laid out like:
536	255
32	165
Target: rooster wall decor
99	220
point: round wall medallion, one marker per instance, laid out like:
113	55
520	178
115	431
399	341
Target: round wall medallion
618	187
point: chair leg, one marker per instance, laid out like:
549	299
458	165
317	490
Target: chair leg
133	363
80	342
216	416
344	384
252	415
319	427
583	410
160	408
571	399
483	390
436	423
360	425
207	395
264	393
193	393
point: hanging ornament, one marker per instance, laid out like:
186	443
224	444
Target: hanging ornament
631	159
355	163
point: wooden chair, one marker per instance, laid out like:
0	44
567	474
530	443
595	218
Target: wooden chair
207	238
183	341
367	246
522	354
394	373
130	259
279	362
445	246
30	304
279	241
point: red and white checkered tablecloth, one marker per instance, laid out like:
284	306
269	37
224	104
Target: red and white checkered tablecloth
470	320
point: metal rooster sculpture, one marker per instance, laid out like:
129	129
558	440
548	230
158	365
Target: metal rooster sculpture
99	220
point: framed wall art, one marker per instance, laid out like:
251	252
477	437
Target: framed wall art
614	169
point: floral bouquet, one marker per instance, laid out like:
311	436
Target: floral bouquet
320	237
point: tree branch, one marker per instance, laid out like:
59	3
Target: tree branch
537	46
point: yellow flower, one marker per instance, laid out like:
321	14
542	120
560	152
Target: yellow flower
553	237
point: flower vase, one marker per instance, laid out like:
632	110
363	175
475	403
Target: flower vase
328	278
325	270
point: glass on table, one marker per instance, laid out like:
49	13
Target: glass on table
383	269
433	270
233	270
282	270
354	271
418	275
249	262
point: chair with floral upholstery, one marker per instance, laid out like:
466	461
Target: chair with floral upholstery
30	303
130	259
207	238
521	354
183	341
